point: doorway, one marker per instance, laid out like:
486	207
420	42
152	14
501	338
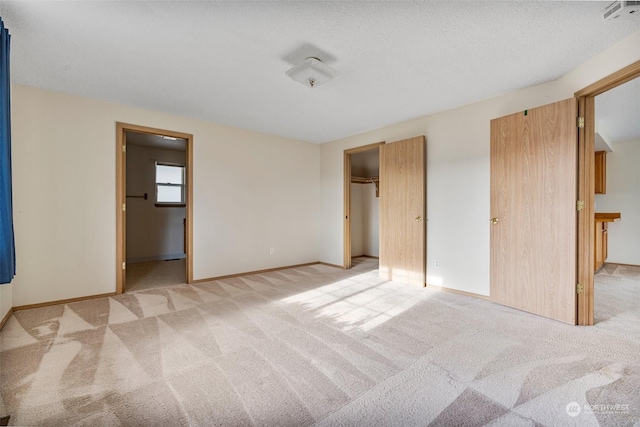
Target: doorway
361	179
154	207
611	97
365	204
402	194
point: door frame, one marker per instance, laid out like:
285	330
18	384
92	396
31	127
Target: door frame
121	192
586	185
347	198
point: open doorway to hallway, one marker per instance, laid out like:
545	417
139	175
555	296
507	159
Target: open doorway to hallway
156	210
154	199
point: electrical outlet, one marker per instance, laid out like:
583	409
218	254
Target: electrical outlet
437	263
271	251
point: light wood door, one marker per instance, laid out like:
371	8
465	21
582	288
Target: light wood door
599	255
533	210
601	172
402	211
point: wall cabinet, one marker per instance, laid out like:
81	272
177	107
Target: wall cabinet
601	172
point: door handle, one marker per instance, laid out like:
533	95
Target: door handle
418	219
493	220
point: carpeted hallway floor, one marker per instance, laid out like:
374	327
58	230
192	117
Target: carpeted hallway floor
155	274
320	346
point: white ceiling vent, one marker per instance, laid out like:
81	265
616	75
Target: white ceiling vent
621	8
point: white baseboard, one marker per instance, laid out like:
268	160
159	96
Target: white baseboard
156	258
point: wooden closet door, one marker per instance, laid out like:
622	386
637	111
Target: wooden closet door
402	211
533	210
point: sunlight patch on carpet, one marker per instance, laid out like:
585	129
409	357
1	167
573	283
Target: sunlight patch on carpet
357	303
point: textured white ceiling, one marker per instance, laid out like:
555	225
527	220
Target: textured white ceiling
225	61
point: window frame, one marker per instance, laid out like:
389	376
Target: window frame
183	196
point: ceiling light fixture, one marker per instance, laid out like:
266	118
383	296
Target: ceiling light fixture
311	72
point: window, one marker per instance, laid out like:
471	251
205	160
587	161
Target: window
169	184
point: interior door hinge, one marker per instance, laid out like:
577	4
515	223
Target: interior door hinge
124	265
580	122
579	205
124	207
579	288
124	148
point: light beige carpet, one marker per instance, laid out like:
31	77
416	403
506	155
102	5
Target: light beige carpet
155	274
319	345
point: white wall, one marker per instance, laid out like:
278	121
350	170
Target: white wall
623	195
251	192
153	233
365	207
357	220
457	172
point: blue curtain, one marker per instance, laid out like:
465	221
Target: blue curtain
7	246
